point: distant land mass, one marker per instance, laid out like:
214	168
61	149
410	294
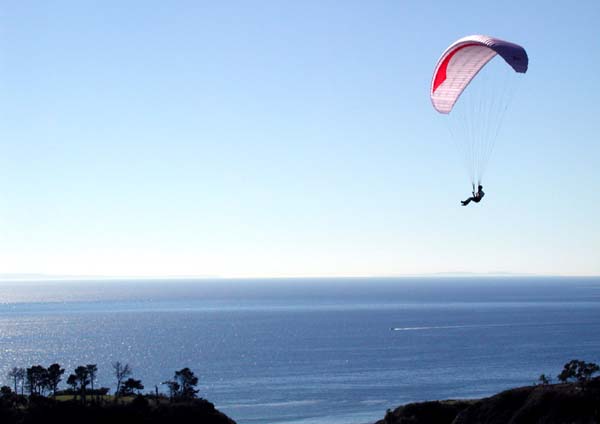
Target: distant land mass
71	277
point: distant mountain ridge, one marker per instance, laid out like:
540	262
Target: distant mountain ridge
71	277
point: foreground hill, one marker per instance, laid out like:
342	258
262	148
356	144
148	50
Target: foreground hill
548	404
140	411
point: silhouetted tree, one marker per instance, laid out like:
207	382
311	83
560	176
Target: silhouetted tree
187	382
92	371
579	370
79	380
21	377
585	371
36	377
54	377
130	385
17	375
121	372
72	381
173	389
544	380
5	391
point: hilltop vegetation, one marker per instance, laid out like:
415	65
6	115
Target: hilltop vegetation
36	398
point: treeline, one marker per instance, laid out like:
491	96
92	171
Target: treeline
39	381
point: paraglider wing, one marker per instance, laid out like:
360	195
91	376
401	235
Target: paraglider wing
459	64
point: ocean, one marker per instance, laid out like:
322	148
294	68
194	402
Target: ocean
308	351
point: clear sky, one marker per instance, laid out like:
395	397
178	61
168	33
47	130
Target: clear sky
273	138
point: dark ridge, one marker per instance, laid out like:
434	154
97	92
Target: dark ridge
438	412
138	411
573	403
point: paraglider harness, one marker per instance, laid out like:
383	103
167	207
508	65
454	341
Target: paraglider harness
477	196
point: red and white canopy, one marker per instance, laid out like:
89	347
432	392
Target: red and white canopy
459	64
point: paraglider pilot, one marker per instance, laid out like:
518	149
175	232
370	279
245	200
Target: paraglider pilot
476	196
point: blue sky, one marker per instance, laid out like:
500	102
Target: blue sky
274	138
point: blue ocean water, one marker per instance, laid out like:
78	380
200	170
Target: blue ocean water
309	351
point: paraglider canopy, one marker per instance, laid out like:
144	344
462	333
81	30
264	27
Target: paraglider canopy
459	64
473	93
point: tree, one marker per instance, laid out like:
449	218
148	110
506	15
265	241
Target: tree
187	382
578	370
36	377
53	377
72	381
121	372
544	380
173	388
80	380
585	371
5	391
569	370
17	375
130	385
92	370
21	379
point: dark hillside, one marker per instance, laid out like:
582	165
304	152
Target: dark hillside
139	411
572	403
